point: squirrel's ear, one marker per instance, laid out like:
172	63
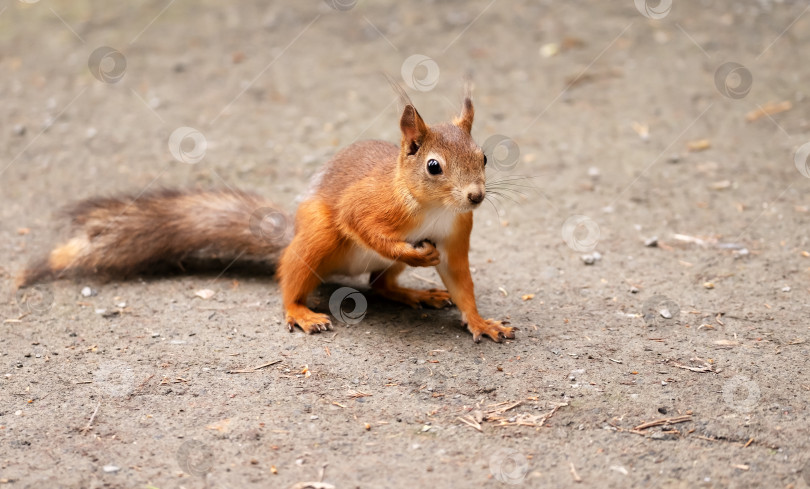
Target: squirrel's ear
465	120
413	129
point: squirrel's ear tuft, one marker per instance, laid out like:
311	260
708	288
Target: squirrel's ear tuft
465	120
413	129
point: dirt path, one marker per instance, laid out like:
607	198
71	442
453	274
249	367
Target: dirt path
144	383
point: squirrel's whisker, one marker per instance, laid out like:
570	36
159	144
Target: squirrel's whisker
504	196
494	207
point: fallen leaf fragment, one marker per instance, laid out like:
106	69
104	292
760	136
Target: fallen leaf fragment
205	293
221	426
699	145
769	109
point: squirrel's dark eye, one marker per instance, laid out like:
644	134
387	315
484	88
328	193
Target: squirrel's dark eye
485	160
433	167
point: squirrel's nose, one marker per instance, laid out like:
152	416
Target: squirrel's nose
476	197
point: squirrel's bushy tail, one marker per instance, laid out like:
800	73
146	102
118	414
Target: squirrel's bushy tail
121	236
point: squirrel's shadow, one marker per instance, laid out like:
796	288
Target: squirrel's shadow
386	317
196	267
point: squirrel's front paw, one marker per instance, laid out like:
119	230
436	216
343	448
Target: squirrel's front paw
423	254
490	327
309	321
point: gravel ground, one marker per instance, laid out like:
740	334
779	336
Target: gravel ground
628	124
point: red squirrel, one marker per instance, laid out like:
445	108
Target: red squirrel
375	207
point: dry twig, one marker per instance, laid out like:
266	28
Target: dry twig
92	418
659	422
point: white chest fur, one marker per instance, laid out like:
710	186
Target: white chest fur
436	226
363	260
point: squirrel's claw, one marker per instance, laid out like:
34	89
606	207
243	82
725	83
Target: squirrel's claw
310	322
492	328
435	298
423	254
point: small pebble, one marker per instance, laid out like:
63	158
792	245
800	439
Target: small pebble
665	313
313	417
786	289
674	158
651	242
588	259
549	50
19	130
634	290
88	292
110	469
